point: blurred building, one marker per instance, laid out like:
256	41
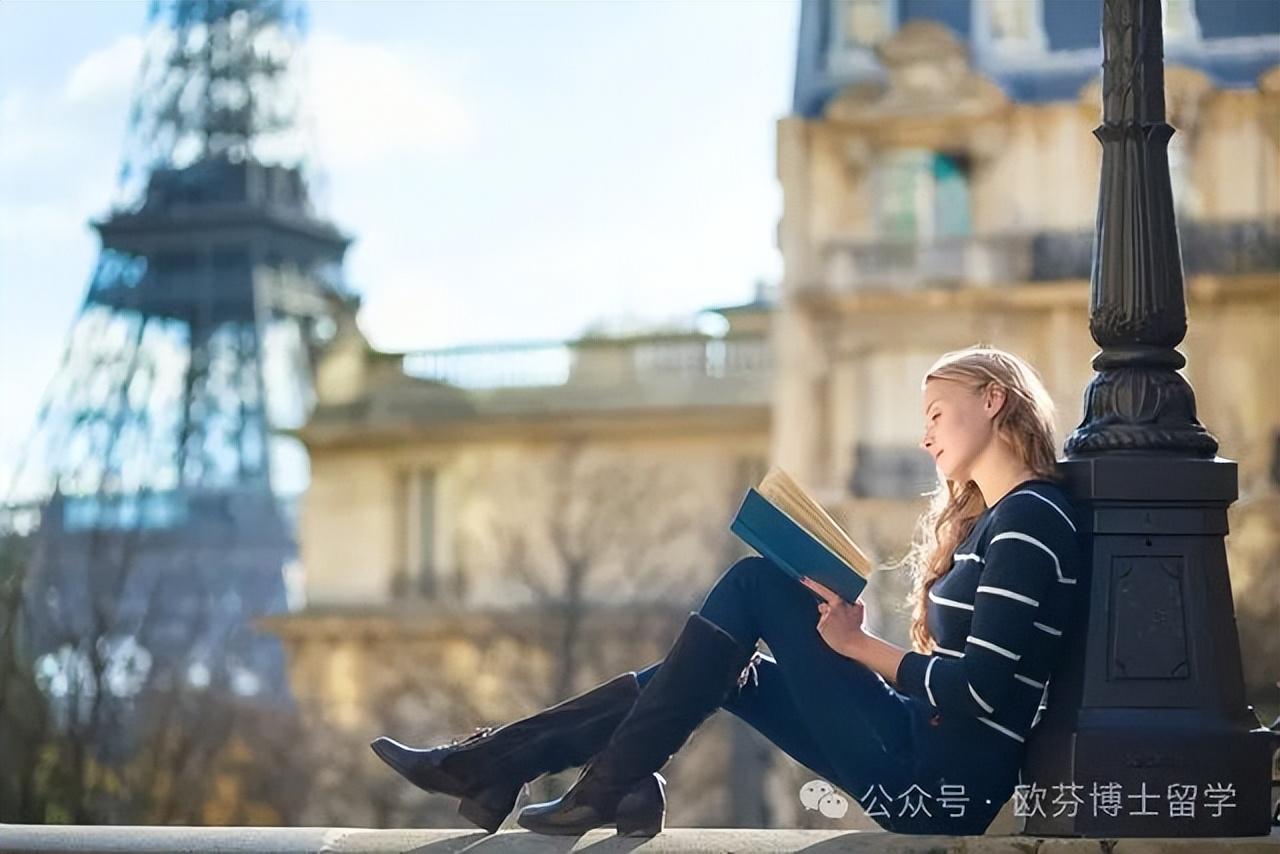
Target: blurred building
430	453
940	181
490	528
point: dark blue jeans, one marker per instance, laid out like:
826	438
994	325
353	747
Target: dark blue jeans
910	770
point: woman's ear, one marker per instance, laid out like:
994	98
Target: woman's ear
995	400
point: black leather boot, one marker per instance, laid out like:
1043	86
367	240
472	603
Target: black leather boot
621	785
488	768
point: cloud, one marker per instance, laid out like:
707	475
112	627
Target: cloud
372	101
106	73
409	311
367	102
59	131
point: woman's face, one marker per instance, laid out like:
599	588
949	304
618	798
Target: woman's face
958	426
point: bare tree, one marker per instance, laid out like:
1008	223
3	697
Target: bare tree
600	553
595	532
565	524
97	691
416	696
24	714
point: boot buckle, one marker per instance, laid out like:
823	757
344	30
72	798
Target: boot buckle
749	672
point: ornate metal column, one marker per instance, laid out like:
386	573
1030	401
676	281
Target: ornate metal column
1147	732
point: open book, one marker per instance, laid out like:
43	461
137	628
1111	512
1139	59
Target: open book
786	525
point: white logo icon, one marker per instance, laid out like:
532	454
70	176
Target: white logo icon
821	796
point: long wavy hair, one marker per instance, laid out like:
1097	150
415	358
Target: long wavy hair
1025	421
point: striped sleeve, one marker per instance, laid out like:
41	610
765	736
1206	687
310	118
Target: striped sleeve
1022	573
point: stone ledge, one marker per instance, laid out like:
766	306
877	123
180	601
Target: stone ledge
279	840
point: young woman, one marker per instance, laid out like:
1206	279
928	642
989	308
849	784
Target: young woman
927	740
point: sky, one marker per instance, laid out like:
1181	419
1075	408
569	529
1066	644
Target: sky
509	170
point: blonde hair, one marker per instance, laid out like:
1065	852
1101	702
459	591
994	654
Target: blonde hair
1025	421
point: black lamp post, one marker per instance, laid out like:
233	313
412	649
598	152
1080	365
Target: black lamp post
1147	732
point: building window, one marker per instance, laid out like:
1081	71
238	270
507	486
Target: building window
1011	24
901	192
950	194
888	461
869	22
416	532
864	23
1178	21
922	194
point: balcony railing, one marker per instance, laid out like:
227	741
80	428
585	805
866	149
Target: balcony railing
945	260
1225	248
589	362
891	471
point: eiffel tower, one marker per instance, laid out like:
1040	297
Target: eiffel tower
163	526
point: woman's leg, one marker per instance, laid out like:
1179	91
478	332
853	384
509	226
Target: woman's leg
765	704
858	723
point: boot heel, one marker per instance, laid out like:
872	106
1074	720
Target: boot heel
642	811
489	807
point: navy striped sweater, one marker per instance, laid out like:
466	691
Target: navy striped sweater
998	615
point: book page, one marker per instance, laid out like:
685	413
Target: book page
789	497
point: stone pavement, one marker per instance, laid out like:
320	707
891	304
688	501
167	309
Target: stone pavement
277	840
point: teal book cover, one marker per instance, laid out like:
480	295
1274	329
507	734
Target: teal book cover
777	537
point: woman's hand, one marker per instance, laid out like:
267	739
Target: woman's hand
840	623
